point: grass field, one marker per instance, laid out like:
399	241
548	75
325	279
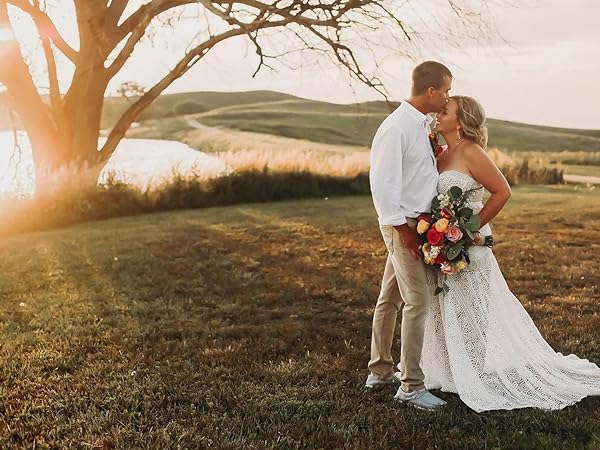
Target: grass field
284	115
249	327
575	169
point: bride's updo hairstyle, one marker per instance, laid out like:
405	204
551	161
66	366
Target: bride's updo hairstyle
471	117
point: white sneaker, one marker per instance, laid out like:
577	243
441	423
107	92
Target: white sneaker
421	399
373	381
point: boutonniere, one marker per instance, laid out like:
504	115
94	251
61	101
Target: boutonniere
436	148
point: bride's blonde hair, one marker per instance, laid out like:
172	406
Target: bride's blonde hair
471	117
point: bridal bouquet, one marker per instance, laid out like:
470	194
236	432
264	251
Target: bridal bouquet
448	231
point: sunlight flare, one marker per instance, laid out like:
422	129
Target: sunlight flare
6	35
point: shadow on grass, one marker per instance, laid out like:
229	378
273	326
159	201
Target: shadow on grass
228	328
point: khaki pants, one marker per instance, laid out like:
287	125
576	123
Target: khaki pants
404	282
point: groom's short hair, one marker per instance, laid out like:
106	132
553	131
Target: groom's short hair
429	74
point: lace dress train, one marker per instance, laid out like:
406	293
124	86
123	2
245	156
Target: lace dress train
481	344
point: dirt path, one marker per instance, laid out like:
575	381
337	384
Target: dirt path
581	179
193	122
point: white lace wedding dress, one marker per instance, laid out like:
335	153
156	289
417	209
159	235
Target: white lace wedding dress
481	344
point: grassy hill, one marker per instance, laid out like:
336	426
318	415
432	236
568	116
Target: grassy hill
249	327
354	124
289	116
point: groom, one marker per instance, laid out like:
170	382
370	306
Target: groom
403	179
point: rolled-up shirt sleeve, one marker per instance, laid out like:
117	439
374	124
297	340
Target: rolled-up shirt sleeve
386	176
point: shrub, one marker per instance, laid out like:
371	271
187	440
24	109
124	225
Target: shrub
523	173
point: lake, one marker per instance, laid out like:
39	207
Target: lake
141	162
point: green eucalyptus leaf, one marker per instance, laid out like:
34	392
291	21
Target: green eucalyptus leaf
454	251
455	192
474	222
465	212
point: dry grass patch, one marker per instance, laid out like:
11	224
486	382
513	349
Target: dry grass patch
249	327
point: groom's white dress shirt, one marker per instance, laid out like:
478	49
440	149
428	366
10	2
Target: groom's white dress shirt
403	172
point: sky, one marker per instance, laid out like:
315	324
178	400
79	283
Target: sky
547	72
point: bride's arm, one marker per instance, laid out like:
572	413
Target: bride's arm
484	170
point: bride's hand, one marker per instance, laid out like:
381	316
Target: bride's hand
484	241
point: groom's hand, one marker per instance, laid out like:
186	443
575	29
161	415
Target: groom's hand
410	240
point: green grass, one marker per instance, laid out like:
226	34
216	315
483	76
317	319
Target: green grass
588	171
286	115
249	326
355	124
521	137
338	129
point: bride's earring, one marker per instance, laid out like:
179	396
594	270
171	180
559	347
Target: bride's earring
458	136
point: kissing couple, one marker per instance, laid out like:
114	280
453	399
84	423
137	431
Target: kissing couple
474	338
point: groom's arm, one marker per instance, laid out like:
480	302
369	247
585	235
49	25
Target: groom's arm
385	176
386	186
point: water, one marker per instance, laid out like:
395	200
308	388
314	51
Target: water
141	162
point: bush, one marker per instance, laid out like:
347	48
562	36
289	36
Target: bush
523	173
78	199
72	203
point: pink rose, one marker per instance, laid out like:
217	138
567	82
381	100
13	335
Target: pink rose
454	234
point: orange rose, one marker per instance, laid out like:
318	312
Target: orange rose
422	226
441	225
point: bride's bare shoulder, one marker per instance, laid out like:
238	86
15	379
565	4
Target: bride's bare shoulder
471	146
473	151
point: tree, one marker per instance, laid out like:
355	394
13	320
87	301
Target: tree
63	127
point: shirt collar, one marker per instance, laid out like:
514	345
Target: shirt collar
423	120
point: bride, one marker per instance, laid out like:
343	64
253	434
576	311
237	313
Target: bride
479	341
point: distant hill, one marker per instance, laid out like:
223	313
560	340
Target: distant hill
286	115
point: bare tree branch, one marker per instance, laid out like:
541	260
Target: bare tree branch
135	27
115	11
189	60
44	22
54	89
352	34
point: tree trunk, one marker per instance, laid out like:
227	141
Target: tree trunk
57	151
63	140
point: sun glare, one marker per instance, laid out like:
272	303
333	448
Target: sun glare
16	165
6	34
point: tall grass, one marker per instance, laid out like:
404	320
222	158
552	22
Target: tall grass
524	173
256	176
77	202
